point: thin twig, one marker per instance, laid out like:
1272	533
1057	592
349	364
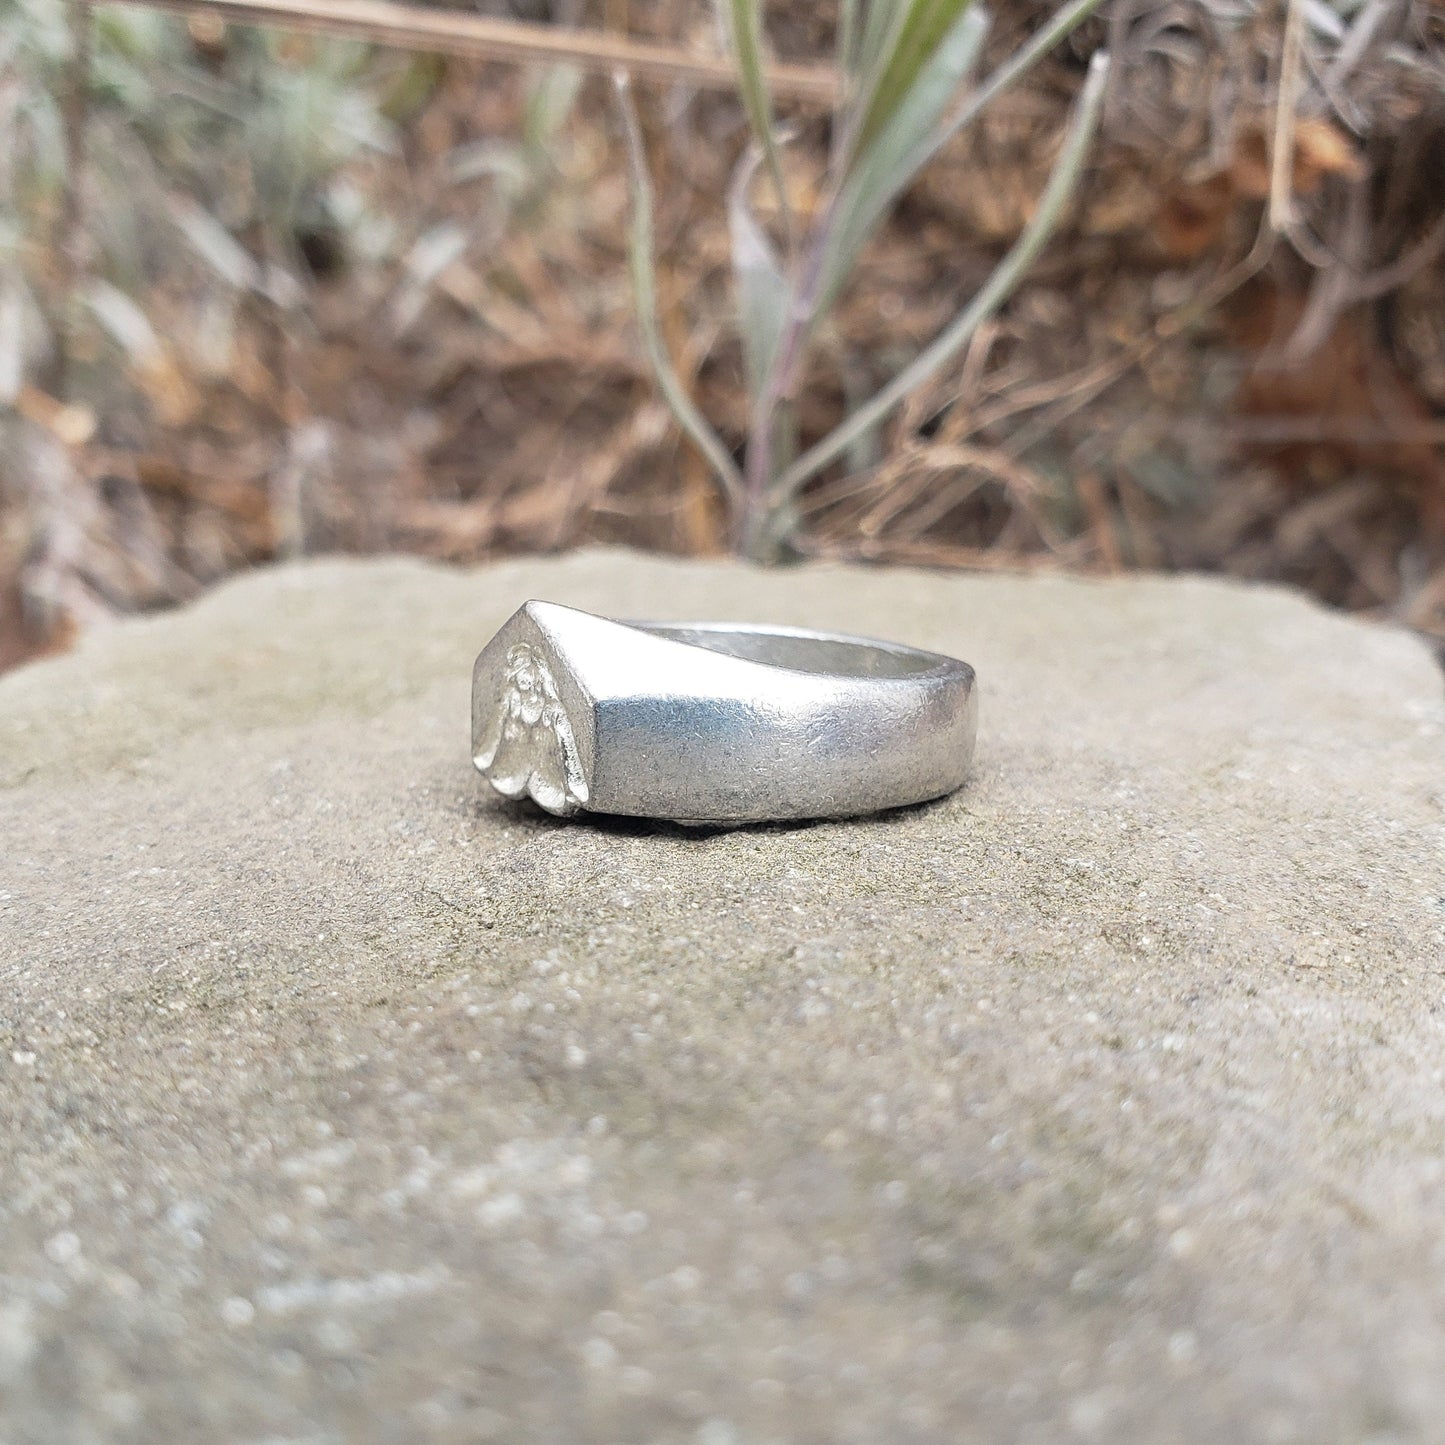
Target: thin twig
1361	38
1024	486
1178	321
1281	179
481	37
1404	268
1099	381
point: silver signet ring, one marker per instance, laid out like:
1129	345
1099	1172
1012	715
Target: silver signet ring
709	722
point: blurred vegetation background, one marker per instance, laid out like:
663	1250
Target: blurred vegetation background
269	291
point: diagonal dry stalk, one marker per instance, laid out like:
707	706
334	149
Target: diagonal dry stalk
481	37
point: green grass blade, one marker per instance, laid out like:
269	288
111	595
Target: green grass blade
742	19
873	46
1006	275
923	26
644	282
885	167
763	291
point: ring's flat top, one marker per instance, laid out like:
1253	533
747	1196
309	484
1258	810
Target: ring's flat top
716	722
799	650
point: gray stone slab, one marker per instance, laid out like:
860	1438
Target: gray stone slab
1104	1100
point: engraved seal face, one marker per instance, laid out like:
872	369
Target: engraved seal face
530	747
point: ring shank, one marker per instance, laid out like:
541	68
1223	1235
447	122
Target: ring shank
715	722
750	723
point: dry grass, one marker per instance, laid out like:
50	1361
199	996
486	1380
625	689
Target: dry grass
1236	359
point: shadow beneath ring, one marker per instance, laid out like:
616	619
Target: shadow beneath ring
538	820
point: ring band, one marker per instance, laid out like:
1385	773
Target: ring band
712	722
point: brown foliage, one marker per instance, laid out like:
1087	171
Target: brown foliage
1176	386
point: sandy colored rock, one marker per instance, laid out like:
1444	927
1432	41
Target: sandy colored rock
1104	1100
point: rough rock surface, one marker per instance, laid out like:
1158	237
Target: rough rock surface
1104	1100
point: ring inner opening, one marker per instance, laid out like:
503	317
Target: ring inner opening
801	654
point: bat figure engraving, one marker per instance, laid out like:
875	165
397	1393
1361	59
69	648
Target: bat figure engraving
530	746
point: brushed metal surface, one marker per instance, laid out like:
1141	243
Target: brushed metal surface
715	722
